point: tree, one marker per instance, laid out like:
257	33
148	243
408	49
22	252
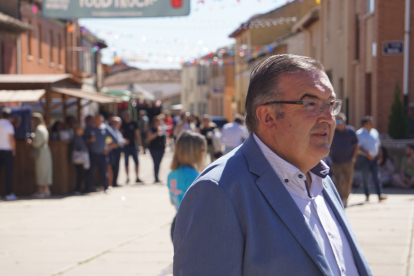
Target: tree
398	123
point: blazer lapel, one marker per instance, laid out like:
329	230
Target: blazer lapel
283	204
343	221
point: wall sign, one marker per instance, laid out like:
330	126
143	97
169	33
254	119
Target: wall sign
66	9
392	47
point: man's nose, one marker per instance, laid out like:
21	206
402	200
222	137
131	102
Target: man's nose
326	116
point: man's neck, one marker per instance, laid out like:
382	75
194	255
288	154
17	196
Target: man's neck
304	168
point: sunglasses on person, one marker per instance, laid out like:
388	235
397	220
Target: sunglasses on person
315	108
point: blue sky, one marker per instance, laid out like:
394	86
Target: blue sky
164	42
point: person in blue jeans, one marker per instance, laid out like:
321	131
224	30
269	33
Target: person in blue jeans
189	159
156	138
100	140
369	148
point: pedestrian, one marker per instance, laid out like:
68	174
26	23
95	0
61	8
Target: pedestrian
143	123
42	156
343	154
405	178
131	133
169	124
207	130
101	140
234	134
188	162
80	157
156	144
115	154
184	124
268	207
7	151
369	149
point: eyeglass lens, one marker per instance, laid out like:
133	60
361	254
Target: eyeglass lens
315	108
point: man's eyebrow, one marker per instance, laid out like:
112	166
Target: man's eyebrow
309	96
314	97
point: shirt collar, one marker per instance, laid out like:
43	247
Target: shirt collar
288	173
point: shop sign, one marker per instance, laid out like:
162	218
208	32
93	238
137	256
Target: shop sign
66	9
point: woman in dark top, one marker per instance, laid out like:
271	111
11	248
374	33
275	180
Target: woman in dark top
156	138
207	129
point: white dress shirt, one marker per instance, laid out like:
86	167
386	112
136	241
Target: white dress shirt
317	213
233	134
369	140
6	129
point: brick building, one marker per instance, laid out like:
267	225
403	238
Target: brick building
352	40
10	29
43	49
260	31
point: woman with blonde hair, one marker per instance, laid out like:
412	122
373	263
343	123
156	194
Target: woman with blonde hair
42	156
188	161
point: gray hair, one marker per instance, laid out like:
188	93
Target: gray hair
265	79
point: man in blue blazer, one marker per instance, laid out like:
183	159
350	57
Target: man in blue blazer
268	207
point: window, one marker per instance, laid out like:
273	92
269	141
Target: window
39	41
29	41
51	46
328	19
59	47
370	6
2	62
368	92
357	37
341	14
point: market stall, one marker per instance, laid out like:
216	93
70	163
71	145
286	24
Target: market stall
52	92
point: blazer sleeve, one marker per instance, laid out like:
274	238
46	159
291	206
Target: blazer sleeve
208	239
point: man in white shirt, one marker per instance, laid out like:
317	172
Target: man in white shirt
7	151
234	134
369	149
269	206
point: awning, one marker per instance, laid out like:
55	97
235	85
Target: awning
21	95
92	96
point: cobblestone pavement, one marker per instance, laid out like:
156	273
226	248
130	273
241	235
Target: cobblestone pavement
127	232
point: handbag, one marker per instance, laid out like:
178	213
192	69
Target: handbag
80	157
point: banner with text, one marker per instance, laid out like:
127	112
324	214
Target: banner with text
65	9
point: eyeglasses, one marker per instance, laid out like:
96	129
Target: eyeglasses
315	108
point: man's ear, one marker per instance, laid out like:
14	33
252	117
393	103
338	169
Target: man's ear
266	116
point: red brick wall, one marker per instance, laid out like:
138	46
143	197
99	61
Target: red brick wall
8	54
387	70
33	63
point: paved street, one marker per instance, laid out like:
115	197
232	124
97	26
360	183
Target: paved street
127	232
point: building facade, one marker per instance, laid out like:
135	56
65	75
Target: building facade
11	27
259	32
360	44
43	49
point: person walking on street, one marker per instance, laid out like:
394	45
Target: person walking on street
80	157
157	140
115	154
269	207
7	151
131	133
143	123
42	156
369	148
344	150
101	140
234	134
207	130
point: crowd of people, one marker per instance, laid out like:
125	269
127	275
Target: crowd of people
99	143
